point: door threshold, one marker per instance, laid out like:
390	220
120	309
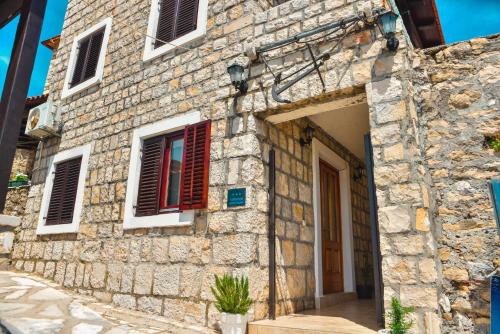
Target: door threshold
334	298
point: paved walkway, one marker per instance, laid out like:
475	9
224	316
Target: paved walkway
32	305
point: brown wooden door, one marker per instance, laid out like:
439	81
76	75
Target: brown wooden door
331	232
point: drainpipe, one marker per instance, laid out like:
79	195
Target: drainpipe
272	235
375	235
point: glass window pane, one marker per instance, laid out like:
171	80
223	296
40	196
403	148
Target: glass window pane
174	172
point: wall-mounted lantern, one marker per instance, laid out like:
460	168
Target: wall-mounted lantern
387	25
237	75
358	173
308	136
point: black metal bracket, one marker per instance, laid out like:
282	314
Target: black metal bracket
283	82
304	71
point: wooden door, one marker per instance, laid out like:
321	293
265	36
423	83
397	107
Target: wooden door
331	229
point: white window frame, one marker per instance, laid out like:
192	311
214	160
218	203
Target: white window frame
67	90
178	218
201	29
80	151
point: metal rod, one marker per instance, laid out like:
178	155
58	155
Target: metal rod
16	86
312	32
375	236
272	235
316	66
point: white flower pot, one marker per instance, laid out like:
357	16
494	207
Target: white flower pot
233	323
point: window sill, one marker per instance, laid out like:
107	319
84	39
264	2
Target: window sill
173	219
57	229
151	53
67	92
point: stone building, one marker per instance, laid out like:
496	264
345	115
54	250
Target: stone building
139	96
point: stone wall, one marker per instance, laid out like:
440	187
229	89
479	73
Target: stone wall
23	162
15	203
458	90
169	270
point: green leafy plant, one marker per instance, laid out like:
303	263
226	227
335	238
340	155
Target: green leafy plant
231	294
493	143
398	317
21	177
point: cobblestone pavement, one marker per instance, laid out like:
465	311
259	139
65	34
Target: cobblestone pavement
29	304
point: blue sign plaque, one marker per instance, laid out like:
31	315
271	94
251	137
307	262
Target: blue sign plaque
236	197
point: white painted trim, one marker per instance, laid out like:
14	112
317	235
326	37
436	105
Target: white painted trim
149	50
67	91
320	150
130	221
84	152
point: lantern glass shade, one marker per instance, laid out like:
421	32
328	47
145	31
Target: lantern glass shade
309	132
235	73
387	23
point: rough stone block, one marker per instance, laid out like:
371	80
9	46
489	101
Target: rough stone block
419	296
395	219
166	281
234	249
98	275
143	279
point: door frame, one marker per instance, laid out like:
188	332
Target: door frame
321	151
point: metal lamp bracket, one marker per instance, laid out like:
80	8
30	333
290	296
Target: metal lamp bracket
341	29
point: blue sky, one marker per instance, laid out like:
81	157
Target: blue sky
52	25
460	19
466	19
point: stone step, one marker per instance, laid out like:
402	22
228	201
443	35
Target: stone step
334	299
307	324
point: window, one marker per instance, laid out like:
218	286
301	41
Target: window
63	194
168	173
173	23
62	199
86	62
87	57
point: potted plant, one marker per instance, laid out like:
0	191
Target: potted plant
398	317
233	301
365	290
19	180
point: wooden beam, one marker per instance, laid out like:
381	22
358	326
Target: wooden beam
16	85
8	10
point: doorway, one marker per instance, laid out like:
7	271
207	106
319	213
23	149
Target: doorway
331	229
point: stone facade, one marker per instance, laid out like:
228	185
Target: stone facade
23	162
458	88
169	271
15	202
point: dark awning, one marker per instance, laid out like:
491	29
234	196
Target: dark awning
421	19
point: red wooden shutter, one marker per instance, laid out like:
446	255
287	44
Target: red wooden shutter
176	18
65	186
93	54
195	165
150	177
